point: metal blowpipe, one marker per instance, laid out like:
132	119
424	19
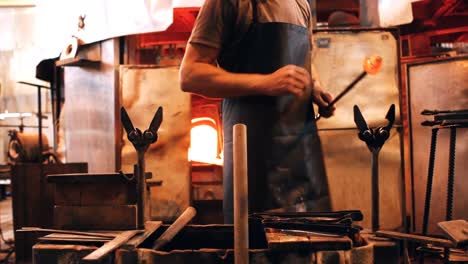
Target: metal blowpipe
371	65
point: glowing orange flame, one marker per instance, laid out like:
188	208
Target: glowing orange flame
204	142
372	64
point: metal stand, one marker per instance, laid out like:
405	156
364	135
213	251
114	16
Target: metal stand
375	139
141	141
442	120
39	112
375	190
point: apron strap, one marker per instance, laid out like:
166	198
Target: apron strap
254	12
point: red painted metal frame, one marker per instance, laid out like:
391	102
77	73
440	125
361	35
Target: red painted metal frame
178	32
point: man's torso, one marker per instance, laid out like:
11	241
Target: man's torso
221	23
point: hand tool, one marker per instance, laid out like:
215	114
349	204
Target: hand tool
446	118
71	232
301	232
141	141
371	65
340	229
327	223
374	138
286	239
349	230
339	217
173	229
437	112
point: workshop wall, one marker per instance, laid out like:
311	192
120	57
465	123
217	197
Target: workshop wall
19	55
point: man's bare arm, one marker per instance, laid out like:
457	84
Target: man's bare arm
199	74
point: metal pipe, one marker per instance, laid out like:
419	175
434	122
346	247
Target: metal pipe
39	113
344	92
430	176
375	190
141	188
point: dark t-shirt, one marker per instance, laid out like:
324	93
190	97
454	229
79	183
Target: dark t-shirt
223	22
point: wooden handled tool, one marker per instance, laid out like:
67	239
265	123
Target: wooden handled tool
173	229
110	246
241	198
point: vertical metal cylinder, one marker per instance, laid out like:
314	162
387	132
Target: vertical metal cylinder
241	199
141	190
39	123
375	191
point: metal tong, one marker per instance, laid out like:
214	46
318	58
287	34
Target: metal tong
374	138
446	118
333	224
341	217
141	141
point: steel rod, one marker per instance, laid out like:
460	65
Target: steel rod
344	92
430	176
375	190
141	188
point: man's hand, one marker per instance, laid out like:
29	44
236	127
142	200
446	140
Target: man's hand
322	99
289	79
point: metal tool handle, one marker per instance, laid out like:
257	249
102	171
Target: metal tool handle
343	93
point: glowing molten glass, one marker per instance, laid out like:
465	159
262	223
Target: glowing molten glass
372	64
204	141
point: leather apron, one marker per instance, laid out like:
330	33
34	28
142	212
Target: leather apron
285	163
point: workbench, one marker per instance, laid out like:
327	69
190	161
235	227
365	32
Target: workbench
214	244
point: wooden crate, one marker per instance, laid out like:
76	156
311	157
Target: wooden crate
33	201
95	201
